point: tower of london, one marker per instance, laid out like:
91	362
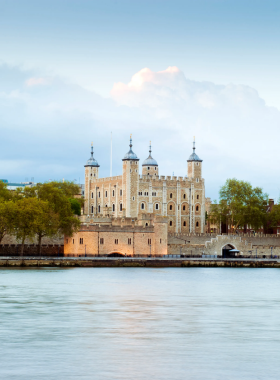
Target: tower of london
133	213
141	190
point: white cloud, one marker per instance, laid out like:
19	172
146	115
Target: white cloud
48	128
36	81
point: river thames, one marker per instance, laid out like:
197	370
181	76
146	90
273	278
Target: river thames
139	323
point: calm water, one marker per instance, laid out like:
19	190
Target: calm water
126	323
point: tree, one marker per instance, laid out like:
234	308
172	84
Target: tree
75	206
28	214
5	194
7	216
240	204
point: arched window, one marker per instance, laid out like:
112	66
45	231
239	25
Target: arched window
146	224
197	224
113	193
157	206
91	195
92	209
184	224
184	208
113	207
197	208
197	197
184	196
120	206
99	208
142	206
170	195
170	207
170	223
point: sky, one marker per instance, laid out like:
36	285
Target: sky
72	72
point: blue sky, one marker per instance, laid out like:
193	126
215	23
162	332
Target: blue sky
60	61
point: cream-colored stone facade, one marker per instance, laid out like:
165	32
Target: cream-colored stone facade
125	236
181	200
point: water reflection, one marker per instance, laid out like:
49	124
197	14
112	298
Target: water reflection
136	323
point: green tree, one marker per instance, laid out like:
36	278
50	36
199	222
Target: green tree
28	214
5	194
75	206
240	204
7	217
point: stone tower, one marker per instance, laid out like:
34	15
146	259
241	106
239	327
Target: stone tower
130	180
91	172
194	166
150	166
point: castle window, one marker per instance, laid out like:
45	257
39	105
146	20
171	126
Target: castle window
73	241
99	208
130	170
184	208
154	194
133	198
142	206
91	195
92	209
159	241
170	195
66	241
121	192
149	241
94	174
91	175
197	208
98	194
140	193
197	180
157	206
155	168
148	167
184	224
116	241
120	206
101	240
113	207
113	193
197	164
170	207
170	223
146	224
148	173
197	197
197	224
81	240
136	171
106	194
129	241
184	196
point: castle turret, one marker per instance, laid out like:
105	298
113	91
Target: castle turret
91	173
150	166
194	165
130	182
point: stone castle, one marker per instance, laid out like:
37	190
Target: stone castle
134	212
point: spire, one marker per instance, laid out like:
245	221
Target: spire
150	161
130	155
194	156
91	161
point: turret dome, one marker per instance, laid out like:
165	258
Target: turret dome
150	161
91	161
130	155
194	156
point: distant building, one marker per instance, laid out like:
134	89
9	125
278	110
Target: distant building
15	185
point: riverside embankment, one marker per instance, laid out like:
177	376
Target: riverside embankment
131	262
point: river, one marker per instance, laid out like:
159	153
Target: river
139	323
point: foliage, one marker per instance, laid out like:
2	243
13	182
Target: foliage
7	216
5	194
75	206
240	204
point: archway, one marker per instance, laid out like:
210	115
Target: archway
226	251
115	254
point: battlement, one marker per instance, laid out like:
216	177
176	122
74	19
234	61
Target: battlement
108	179
145	178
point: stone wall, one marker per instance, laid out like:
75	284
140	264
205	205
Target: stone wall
31	250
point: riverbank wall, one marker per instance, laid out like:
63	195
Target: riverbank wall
141	263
